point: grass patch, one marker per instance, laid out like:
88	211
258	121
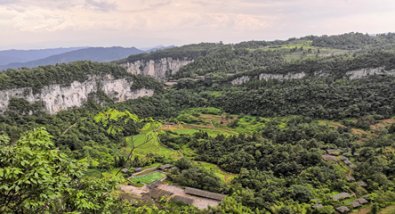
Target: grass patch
388	210
146	179
330	123
249	124
186	151
207	110
226	177
153	146
190	129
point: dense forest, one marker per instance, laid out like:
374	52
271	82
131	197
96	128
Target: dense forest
64	74
319	144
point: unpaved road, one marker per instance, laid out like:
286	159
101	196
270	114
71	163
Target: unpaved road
199	202
137	191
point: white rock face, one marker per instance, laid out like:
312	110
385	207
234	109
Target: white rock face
357	74
159	69
57	97
288	76
321	73
241	80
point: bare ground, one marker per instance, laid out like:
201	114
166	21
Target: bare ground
137	191
199	202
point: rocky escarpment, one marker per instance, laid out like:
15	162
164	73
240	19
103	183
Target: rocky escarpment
59	97
354	74
160	69
357	74
289	76
241	80
264	76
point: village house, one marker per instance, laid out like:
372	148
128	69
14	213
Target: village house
341	196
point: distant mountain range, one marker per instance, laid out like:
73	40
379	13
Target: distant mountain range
157	48
21	56
34	58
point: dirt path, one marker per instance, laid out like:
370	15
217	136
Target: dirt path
199	202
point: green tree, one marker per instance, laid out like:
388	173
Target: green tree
231	205
33	173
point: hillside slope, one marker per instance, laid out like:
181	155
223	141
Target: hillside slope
223	61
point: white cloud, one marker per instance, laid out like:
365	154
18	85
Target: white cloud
152	22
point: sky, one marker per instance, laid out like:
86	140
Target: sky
29	24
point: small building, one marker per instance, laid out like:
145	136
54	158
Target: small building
165	167
182	199
362	201
355	204
329	157
359	202
341	196
343	209
138	169
204	194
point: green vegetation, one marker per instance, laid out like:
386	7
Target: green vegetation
65	74
191	175
354	41
278	147
187	51
225	177
152	146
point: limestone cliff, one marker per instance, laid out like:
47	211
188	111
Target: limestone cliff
241	80
264	76
59	97
354	74
160	69
357	74
289	76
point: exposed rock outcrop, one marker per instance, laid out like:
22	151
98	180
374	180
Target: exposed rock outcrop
352	75
59	97
357	74
288	76
265	76
159	69
241	80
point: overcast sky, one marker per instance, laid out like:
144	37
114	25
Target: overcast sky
146	23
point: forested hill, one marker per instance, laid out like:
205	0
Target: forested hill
222	61
353	41
59	87
63	74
